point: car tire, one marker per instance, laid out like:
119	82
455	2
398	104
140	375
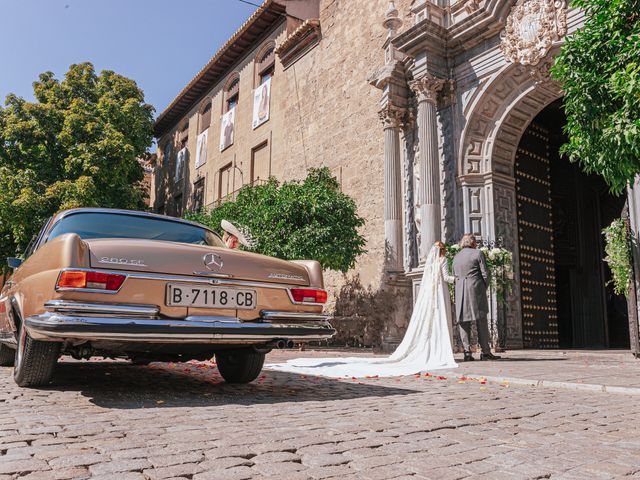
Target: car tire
240	366
7	356
34	360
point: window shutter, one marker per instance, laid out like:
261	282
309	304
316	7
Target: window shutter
183	136
205	118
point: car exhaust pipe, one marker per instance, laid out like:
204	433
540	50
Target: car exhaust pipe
81	353
279	343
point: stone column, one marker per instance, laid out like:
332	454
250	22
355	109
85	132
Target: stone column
426	90
392	121
408	140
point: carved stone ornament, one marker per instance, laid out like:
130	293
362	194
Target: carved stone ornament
540	73
532	28
427	88
472	6
392	117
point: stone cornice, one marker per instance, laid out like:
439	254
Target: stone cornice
386	74
484	20
426	34
301	40
474	179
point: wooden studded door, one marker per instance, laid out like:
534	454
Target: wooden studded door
535	231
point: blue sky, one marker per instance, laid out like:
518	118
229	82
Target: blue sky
161	44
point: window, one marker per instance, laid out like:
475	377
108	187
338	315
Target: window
181	162
181	158
265	63
167	151
205	116
120	225
178	201
225	186
231	93
183	135
260	163
203	135
198	194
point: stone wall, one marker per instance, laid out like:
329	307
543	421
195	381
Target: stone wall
323	113
332	120
239	154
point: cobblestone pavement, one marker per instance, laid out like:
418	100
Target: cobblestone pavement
112	420
616	368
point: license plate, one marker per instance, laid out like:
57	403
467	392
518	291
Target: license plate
179	295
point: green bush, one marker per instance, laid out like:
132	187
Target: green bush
618	250
311	219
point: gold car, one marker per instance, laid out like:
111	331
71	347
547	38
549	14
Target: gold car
119	283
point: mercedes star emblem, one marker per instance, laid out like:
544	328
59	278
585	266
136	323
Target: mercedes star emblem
213	262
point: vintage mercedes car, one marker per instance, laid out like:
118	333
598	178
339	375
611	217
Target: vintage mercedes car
119	283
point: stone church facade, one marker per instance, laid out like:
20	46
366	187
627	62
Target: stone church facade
440	118
460	86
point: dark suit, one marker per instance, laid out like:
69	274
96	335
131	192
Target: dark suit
472	279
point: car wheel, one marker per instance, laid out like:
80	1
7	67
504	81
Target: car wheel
240	366
7	355
34	360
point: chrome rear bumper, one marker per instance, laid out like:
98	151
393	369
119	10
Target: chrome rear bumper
140	323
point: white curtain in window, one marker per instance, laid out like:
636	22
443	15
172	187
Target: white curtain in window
181	160
201	148
227	127
261	98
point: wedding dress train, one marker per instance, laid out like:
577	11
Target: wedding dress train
425	346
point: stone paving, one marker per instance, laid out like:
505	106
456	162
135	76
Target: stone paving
112	420
614	368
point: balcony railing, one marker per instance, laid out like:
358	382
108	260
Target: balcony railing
233	195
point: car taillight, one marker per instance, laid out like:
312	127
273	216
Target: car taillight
110	282
308	295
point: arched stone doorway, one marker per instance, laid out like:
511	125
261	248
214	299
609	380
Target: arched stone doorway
561	212
499	118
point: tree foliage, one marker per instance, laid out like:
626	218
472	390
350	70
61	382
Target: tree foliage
76	145
311	219
599	69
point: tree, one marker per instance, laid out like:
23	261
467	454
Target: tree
311	219
599	69
76	145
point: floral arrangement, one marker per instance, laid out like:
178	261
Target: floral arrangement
618	250
500	265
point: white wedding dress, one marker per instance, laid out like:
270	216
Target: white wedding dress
425	346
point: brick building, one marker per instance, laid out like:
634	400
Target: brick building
439	117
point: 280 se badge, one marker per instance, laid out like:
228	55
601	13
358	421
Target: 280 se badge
180	295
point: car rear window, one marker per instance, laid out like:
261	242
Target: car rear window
116	225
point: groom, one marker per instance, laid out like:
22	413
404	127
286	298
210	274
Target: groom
472	277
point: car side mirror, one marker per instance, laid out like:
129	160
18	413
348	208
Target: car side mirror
14	262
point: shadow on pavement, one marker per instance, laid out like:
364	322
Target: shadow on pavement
125	386
506	359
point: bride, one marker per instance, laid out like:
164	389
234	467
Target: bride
425	346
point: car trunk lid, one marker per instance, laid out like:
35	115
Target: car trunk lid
153	256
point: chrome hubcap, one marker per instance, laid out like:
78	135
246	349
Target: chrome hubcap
21	343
